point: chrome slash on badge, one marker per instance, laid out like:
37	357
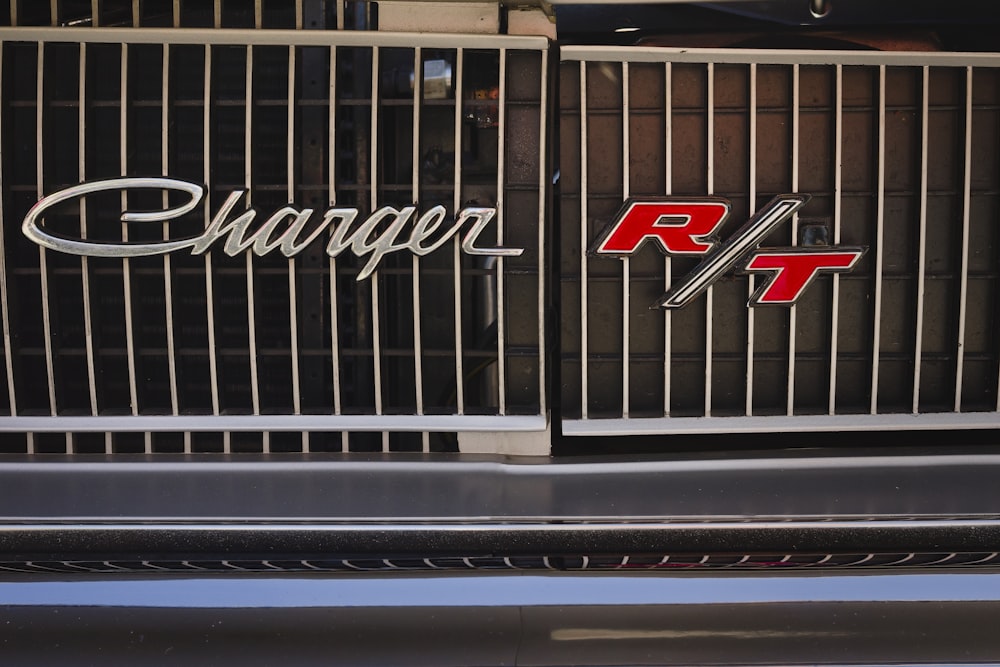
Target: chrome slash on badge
682	226
287	230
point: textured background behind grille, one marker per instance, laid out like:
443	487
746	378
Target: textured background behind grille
696	138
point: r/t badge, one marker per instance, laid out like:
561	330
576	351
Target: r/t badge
682	226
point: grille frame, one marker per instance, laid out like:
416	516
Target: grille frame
379	418
607	417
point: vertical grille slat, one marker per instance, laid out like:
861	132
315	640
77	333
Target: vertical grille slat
966	214
374	364
842	127
626	264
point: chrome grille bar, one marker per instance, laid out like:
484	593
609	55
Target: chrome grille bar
213	364
418	370
543	176
626	273
501	221
879	245
84	262
130	352
4	305
42	264
248	183
373	204
332	185
752	187
456	255
668	188
922	243
168	288
584	242
838	176
710	181
966	214
293	318
790	387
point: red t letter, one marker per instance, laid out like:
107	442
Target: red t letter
793	270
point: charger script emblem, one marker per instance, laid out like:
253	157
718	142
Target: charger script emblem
689	227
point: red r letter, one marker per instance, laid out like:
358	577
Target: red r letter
680	227
793	270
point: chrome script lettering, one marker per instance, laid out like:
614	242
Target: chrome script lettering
382	232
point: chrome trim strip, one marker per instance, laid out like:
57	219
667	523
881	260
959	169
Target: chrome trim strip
130	352
168	290
929	421
773	56
88	326
256	37
543	179
248	183
213	364
266	423
293	318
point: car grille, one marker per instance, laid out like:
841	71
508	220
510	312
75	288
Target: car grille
899	154
268	353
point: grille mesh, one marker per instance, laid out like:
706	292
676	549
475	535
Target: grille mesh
911	330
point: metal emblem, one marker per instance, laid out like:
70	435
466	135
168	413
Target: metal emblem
288	230
689	226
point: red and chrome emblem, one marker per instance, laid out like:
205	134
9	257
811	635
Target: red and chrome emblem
689	226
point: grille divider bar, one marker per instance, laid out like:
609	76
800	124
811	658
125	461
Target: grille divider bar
879	249
668	190
4	305
418	370
752	187
374	282
501	221
334	315
922	242
966	214
710	178
584	343
790	397
626	268
838	150
293	317
456	246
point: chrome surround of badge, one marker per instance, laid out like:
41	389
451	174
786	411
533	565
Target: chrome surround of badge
685	226
275	233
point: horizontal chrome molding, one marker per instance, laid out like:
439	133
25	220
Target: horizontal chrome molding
216	540
441	488
944	421
258	423
199	36
659	54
